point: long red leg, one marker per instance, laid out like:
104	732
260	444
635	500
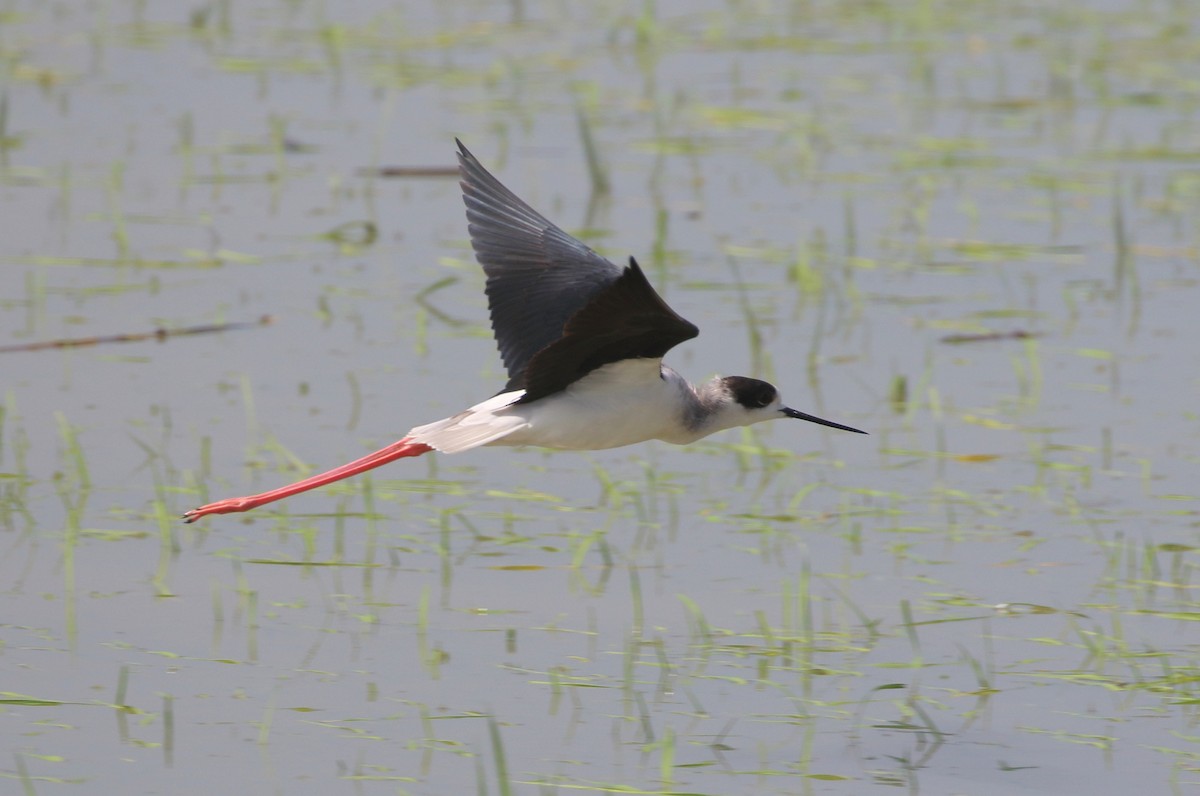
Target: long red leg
397	450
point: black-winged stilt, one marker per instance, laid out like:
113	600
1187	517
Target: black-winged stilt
582	340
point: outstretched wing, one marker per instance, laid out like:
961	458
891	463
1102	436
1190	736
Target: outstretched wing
537	275
559	310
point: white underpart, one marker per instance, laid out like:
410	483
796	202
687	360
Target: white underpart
622	403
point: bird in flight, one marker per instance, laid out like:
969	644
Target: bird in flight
582	340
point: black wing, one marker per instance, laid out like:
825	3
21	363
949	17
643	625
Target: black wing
537	275
625	320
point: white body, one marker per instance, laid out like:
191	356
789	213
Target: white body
630	401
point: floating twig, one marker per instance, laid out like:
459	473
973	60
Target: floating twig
159	334
990	337
411	171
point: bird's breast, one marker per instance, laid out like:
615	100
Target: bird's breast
619	404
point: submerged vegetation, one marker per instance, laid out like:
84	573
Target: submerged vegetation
968	228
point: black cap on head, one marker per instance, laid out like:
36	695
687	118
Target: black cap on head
758	394
750	393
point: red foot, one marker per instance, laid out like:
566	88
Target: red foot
227	506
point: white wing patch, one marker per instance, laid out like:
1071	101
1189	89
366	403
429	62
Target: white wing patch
477	426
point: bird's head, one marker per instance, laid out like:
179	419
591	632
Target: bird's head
758	401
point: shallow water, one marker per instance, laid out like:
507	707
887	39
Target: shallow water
967	228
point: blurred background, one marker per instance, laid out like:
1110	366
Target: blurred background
233	253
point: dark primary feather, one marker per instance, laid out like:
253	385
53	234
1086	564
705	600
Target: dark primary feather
537	275
559	310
